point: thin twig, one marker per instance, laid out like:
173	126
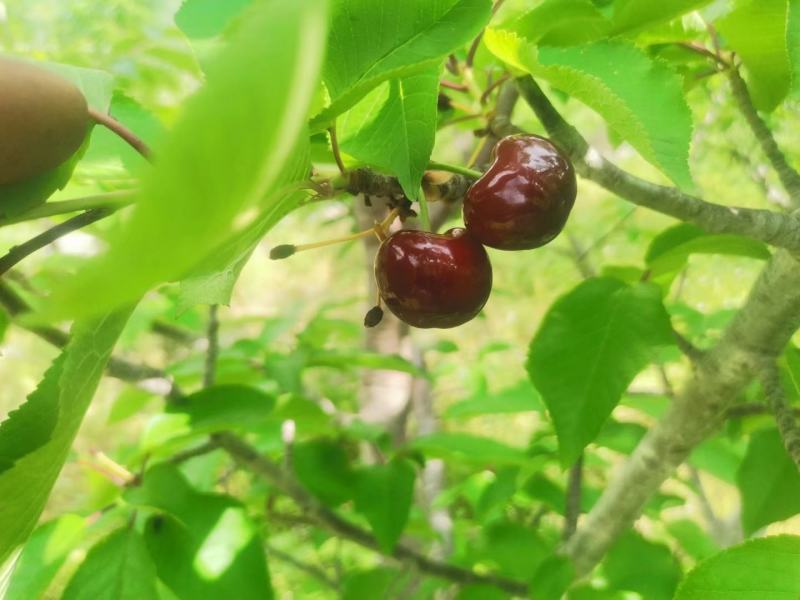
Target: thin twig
201	450
787	425
249	458
790	178
451	85
123	132
337	155
19	253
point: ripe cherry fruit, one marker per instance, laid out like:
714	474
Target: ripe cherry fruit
432	280
524	198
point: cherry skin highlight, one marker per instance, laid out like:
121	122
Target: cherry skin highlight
433	280
524	198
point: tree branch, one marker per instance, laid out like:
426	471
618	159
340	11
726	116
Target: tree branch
760	330
764	225
789	177
19	253
249	458
776	396
212	337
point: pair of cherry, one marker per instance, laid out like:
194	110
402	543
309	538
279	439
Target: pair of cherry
521	202
443	280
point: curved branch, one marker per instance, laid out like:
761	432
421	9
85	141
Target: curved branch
764	225
789	177
784	417
759	331
251	459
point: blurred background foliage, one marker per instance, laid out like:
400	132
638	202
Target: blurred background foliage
283	314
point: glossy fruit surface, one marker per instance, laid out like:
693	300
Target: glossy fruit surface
524	198
44	120
433	280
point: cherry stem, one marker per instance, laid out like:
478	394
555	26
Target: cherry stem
424	215
380	230
337	155
465	171
123	132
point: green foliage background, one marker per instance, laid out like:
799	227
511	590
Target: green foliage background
292	345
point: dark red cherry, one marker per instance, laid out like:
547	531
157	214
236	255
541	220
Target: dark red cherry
433	280
524	199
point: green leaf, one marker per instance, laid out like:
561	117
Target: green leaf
116	568
394	126
640	99
200	19
634	15
562	23
348	359
4	321
383	494
768	482
468	448
368	585
26	486
205	545
223	166
521	397
224	407
758	31
371	42
762	569
692	538
552	578
670	250
481	592
624	562
591	344
323	467
719	456
793	42
517	550
42	557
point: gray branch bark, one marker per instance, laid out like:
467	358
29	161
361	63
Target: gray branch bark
759	331
767	226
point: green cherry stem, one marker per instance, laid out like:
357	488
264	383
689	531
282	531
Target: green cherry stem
465	171
111	200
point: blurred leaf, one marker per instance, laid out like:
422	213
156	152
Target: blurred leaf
635	15
589	347
4	321
205	546
383	494
67	389
669	251
768	482
624	563
692	538
200	19
719	456
498	492
130	401
552	578
323	467
348	359
762	569
468	448
562	23
481	592
116	568
521	397
641	99
223	407
517	550
369	585
42	557
620	437
370	43
757	31
223	166
394	126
